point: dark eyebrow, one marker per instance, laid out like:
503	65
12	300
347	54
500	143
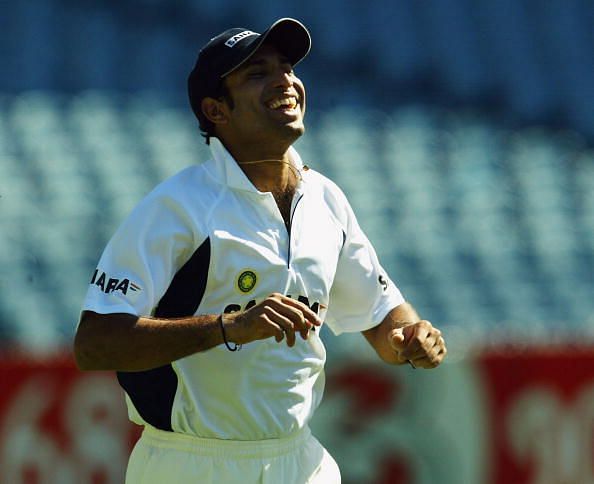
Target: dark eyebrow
260	62
254	62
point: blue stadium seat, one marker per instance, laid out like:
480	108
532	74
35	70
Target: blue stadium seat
478	228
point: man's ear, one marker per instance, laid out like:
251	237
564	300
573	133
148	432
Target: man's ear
214	110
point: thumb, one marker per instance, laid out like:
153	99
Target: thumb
397	339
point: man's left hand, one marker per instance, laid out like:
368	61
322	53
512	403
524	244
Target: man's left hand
419	343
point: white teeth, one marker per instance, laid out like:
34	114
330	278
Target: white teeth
290	102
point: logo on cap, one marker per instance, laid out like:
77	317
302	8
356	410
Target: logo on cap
237	37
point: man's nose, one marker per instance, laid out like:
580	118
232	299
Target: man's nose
284	79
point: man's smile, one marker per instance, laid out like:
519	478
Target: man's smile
283	103
286	104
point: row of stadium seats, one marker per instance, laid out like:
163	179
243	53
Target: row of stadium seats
478	224
535	61
497	225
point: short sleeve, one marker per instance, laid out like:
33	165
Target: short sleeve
141	259
362	294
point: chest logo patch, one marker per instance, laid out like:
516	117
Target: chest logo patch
247	281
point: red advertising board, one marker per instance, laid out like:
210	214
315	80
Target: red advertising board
541	407
504	417
58	425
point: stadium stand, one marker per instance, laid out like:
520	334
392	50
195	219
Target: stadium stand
483	214
480	226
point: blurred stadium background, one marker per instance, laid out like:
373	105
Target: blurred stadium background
462	132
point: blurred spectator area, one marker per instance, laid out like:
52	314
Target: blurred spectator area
461	130
478	224
530	58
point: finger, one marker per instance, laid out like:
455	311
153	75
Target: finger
423	325
311	316
396	339
425	363
439	346
433	358
430	347
429	361
293	314
415	336
274	329
285	324
420	335
304	333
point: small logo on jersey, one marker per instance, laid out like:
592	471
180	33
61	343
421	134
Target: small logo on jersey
112	284
237	37
383	281
246	281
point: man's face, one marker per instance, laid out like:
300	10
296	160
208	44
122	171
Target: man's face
268	100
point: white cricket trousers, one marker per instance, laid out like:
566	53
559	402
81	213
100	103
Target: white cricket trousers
171	458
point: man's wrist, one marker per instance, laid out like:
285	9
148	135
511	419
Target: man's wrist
228	331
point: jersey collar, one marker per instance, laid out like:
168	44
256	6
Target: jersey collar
230	171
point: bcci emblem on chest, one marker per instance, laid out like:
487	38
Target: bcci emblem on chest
246	281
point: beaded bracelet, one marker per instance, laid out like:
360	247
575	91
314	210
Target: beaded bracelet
229	347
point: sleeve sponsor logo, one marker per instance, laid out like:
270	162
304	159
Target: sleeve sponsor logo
111	284
383	281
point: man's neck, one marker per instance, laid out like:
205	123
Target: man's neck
270	170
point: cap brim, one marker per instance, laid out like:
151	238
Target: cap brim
288	35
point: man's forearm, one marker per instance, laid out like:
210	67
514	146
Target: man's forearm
130	343
378	336
124	342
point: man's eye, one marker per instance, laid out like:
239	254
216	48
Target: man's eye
255	74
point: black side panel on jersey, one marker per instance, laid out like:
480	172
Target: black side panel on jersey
153	391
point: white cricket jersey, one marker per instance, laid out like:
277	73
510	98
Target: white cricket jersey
207	241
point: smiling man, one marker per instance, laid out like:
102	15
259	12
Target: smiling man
225	261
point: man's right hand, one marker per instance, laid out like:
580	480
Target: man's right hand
276	316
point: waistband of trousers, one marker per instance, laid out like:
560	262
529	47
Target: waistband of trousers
248	449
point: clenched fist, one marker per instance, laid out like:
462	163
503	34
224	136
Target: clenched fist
418	343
